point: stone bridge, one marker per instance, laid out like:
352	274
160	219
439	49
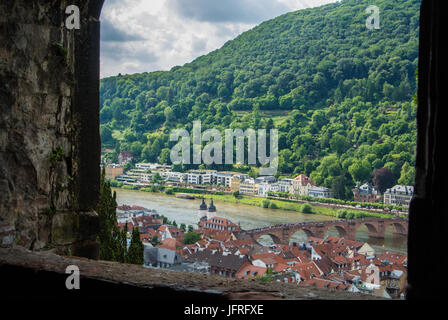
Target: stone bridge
346	229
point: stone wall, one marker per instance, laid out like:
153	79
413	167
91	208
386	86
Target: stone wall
49	126
118	281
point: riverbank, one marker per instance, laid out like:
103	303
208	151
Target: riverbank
276	204
263	203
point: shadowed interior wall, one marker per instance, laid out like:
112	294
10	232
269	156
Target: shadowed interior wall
428	210
49	126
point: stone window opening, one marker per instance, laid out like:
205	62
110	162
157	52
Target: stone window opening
431	171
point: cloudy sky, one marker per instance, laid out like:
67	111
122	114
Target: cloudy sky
152	35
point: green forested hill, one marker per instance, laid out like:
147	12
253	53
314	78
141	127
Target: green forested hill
339	94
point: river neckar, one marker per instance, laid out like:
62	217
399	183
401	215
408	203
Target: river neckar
248	217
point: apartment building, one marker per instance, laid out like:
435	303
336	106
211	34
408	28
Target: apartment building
399	195
284	185
201	177
112	171
300	185
366	193
248	186
319	192
223	178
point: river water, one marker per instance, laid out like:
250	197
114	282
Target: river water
248	217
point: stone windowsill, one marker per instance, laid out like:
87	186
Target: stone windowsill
155	279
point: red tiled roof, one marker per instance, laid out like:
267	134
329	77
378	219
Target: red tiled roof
170	243
306	270
250	271
393	257
314	240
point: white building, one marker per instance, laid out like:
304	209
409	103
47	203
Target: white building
264	188
319	192
153	166
249	187
399	195
223	178
284	185
177	177
201	177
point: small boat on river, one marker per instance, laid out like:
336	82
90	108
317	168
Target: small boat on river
185	196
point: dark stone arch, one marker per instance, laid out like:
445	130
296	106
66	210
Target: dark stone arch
398	228
342	232
274	238
370	227
307	233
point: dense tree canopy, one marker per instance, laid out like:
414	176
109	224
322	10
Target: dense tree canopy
339	94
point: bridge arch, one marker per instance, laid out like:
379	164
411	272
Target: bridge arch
300	235
263	237
372	230
398	228
338	231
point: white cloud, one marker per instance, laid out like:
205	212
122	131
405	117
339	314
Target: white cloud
145	36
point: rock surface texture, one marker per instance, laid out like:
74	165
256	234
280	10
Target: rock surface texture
48	177
99	280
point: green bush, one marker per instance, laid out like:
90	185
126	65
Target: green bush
191	237
265	203
306	208
342	213
264	278
349	215
273	205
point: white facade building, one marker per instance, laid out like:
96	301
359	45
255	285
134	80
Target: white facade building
223	178
284	185
319	192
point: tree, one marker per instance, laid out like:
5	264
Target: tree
165	157
128	166
407	175
349	104
191	237
339	144
360	171
338	187
383	179
155	240
110	237
136	248
156	178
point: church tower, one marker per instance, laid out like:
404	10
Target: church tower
202	210
211	210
